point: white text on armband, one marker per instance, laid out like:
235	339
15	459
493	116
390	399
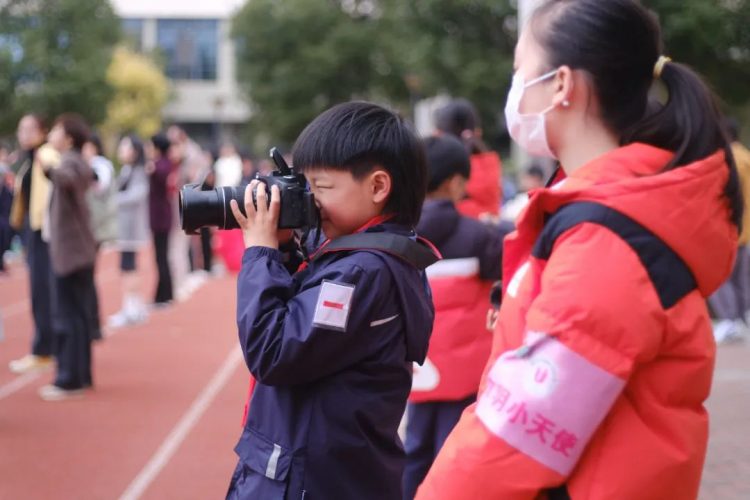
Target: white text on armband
548	404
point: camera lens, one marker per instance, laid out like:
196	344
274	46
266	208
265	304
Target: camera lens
209	208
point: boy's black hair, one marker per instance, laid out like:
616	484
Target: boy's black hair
446	157
75	128
161	143
359	136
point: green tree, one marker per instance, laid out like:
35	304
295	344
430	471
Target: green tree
55	55
140	92
299	57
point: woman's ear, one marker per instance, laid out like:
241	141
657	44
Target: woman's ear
563	87
380	185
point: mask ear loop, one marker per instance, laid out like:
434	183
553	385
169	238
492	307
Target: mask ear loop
540	79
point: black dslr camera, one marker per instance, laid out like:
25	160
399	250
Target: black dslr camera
211	208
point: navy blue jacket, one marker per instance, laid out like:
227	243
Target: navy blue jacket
458	236
329	398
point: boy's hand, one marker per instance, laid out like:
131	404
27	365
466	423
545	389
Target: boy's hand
260	227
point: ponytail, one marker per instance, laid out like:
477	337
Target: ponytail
690	125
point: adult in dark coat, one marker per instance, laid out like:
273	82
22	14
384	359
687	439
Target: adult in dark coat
160	214
72	254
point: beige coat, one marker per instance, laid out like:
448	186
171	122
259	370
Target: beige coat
40	191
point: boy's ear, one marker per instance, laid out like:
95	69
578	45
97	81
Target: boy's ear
380	185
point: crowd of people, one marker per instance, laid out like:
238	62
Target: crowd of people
602	347
63	199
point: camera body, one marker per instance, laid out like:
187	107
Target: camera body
211	208
297	202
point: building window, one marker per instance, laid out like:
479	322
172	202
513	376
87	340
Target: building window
133	30
190	48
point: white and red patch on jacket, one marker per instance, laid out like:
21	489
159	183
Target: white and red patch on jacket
333	306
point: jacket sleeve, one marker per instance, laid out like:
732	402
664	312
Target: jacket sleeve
69	174
285	334
595	318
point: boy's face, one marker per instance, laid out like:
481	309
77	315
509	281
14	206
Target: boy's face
345	203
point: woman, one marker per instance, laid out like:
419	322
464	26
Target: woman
72	250
603	352
28	214
132	221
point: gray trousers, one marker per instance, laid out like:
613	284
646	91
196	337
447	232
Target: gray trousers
732	299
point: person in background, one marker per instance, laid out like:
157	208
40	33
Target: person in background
72	254
190	167
460	344
28	216
731	302
132	200
533	177
6	201
228	167
160	201
206	233
102	211
249	170
483	190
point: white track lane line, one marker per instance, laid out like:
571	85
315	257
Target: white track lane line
180	431
18	384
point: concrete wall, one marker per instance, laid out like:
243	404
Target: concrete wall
195	101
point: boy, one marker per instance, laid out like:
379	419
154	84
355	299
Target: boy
460	344
332	346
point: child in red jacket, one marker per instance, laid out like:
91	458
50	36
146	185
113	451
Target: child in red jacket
460	343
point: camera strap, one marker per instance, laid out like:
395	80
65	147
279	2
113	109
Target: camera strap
420	253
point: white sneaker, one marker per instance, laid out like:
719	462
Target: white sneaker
31	363
53	393
727	331
122	319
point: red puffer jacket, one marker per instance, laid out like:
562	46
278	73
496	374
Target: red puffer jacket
483	187
593	382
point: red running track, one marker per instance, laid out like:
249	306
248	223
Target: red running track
162	419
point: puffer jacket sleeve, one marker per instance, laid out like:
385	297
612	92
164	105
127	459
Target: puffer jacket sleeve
594	318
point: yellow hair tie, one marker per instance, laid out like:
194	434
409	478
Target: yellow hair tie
659	66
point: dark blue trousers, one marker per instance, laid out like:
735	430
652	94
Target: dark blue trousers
73	327
41	284
427	427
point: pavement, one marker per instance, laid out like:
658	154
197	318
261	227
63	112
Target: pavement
166	409
726	475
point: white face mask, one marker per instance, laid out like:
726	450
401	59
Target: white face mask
528	130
